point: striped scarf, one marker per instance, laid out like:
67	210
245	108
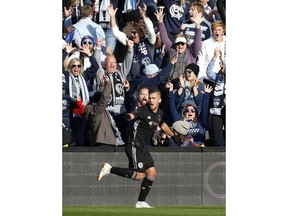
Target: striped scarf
79	87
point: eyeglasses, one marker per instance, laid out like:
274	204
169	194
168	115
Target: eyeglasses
180	43
190	110
87	42
73	66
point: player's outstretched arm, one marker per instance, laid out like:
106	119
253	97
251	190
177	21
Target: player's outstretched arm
167	129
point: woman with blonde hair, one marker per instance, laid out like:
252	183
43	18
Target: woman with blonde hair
76	81
76	84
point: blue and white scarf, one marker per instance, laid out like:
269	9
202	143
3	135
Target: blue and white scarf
79	87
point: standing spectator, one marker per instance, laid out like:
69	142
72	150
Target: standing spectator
153	76
95	6
141	163
102	129
221	7
142	98
176	12
75	83
133	102
188	27
144	38
217	111
186	54
69	106
66	19
151	9
87	56
217	40
74	11
116	105
196	118
211	12
85	26
102	17
190	90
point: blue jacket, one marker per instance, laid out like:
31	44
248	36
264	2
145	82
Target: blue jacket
197	129
151	83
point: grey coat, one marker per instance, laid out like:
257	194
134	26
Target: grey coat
101	130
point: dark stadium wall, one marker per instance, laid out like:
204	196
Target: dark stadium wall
184	178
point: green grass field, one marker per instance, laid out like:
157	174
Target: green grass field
130	210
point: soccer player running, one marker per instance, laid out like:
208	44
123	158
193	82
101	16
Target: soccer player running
141	163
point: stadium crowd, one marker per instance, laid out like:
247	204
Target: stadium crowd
115	52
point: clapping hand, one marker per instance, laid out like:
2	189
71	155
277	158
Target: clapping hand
86	50
208	88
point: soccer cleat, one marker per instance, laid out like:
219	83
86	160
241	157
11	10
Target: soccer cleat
104	171
142	204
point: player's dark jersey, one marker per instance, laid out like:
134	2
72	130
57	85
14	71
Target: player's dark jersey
145	125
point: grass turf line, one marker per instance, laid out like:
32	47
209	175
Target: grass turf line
156	211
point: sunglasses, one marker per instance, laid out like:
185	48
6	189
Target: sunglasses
188	71
134	32
73	66
180	43
87	42
190	110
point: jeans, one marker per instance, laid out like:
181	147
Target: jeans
110	39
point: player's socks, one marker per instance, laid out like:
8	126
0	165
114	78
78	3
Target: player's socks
124	172
145	188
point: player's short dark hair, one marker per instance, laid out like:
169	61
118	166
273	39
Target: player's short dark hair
155	90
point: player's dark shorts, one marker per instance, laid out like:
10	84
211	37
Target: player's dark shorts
140	158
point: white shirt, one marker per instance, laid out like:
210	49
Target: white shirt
206	54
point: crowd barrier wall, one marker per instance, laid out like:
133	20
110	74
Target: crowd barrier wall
184	177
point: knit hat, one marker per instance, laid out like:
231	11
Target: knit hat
194	67
151	69
88	37
180	39
181	127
